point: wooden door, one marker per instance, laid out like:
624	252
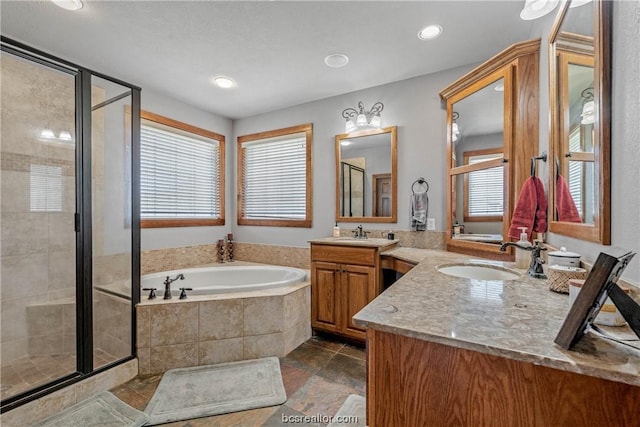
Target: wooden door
358	286
382	194
325	298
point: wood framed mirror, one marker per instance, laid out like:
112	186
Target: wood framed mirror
580	107
367	176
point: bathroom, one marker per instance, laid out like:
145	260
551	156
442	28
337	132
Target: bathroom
411	103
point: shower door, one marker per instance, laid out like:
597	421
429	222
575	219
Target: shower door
70	236
38	195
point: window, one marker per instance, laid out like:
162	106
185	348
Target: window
181	174
45	185
274	177
484	188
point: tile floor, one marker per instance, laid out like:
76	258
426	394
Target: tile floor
31	371
318	376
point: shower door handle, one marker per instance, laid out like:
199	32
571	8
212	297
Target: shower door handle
76	221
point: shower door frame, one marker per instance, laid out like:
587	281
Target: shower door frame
83	218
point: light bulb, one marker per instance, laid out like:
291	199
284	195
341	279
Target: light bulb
375	122
350	126
47	134
361	120
65	136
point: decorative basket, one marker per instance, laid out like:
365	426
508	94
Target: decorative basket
559	276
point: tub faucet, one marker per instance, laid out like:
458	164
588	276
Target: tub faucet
535	268
167	285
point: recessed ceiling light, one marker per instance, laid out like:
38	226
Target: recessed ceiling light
499	87
336	60
430	32
224	82
69	4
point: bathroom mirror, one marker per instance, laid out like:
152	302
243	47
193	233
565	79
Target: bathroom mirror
366	176
492	133
580	175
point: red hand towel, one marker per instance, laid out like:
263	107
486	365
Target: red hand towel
565	206
530	210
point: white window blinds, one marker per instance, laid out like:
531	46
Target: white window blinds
179	173
576	173
275	178
45	185
486	189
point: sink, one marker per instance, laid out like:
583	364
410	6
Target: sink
479	272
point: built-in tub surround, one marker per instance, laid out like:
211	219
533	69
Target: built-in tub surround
209	329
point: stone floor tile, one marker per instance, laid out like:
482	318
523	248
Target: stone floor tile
345	370
308	357
320	397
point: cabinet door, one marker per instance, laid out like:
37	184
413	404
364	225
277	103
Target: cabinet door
358	289
325	298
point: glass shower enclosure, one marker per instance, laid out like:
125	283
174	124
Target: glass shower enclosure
69	273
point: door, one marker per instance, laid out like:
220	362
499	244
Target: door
382	194
358	284
325	299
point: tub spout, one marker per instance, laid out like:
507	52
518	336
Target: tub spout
167	285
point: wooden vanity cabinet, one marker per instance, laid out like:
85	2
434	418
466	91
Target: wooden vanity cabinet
343	280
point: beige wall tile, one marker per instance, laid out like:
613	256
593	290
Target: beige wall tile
296	335
23	233
173	323
220	351
259	346
45	345
263	315
142	326
144	360
24	275
12	350
220	319
69	318
45	319
62	270
15	196
273	254
296	308
152	261
167	357
69	343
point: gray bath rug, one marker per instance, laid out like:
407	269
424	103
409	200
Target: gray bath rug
353	412
104	410
216	389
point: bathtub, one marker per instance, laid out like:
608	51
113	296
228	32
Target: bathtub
226	279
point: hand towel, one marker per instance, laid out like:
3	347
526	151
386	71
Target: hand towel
419	209
565	206
530	210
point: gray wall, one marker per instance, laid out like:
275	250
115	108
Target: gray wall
413	105
160	238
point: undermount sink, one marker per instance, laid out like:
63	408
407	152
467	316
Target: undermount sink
479	272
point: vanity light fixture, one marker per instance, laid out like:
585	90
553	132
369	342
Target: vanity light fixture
224	82
69	4
455	131
588	107
65	136
499	87
430	32
47	134
336	60
534	9
363	119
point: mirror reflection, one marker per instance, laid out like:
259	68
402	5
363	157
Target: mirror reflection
580	111
366	175
477	206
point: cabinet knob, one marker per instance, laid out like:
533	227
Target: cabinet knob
505	160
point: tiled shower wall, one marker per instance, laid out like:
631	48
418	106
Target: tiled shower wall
38	247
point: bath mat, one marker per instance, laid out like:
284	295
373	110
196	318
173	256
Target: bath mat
353	406
216	389
104	410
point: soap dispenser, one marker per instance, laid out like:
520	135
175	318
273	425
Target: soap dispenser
336	230
523	257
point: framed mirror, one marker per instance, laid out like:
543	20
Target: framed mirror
580	100
366	176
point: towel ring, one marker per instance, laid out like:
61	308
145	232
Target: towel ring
420	181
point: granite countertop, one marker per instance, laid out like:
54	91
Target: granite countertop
352	241
516	319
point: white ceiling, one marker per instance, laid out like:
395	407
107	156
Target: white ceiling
273	49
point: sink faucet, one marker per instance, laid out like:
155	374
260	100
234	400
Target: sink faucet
535	268
359	233
167	285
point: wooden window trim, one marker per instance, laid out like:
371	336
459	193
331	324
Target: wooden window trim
305	223
476	167
190	222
